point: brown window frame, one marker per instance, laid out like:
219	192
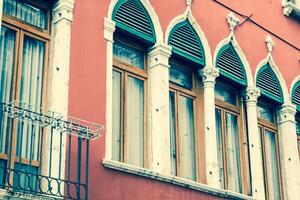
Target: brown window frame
237	110
265	125
23	29
126	70
195	94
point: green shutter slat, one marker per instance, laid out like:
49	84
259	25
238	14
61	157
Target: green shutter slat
186	42
131	16
230	64
269	84
296	95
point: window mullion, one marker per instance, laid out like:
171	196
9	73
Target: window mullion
124	142
224	150
177	121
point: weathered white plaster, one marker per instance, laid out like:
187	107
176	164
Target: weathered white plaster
58	79
231	39
158	107
288	150
254	141
1	8
189	16
209	74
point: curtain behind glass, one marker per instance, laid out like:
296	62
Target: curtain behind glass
30	93
134	138
220	147
233	157
272	166
186	138
173	153
7	48
116	116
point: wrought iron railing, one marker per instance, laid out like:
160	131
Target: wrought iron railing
43	153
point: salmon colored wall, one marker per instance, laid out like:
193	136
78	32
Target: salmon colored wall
87	75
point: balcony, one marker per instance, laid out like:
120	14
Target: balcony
43	154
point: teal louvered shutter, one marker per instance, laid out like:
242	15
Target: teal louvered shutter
296	95
186	43
268	83
230	65
132	17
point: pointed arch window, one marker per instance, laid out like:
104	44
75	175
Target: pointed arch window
296	101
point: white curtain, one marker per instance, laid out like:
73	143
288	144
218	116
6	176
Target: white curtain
187	138
25	12
7	48
272	166
233	159
220	147
134	138
173	153
31	93
116	117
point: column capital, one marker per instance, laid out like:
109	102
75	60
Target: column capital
109	29
287	113
63	10
159	55
251	94
209	74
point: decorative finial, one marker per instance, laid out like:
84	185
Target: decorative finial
270	43
232	21
188	3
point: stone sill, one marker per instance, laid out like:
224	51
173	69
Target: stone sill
7	195
291	9
173	180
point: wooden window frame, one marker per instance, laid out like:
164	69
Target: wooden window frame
126	70
237	110
195	94
265	125
22	30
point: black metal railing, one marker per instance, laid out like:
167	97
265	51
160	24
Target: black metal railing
43	153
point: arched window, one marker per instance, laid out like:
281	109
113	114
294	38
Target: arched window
270	99
296	101
134	35
230	129
186	59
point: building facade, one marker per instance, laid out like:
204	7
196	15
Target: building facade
193	99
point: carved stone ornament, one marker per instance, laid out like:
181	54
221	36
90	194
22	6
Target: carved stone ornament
251	94
209	74
232	21
189	3
270	43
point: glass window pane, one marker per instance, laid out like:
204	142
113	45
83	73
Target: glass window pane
116	118
31	90
233	156
220	147
7	52
134	138
187	138
298	125
265	113
128	55
181	77
225	94
25	12
173	135
271	163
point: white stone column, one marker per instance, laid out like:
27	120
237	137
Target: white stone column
158	108
58	81
289	158
209	75
254	141
109	29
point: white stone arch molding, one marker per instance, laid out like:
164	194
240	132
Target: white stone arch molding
231	39
189	16
152	13
269	60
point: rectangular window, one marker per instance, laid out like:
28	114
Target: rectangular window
229	134
182	123
269	144
128	129
23	60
